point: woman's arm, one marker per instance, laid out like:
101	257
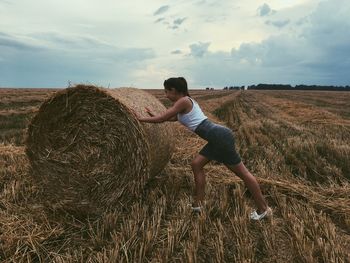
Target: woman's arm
174	118
169	115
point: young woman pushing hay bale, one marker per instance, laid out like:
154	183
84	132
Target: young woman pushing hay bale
220	146
89	152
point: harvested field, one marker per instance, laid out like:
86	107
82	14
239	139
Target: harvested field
297	144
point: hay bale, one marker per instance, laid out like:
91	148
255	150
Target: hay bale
88	151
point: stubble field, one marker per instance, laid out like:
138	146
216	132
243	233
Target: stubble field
296	143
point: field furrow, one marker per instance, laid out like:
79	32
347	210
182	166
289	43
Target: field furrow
297	144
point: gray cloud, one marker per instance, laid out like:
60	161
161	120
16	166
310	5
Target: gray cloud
278	23
177	51
249	52
199	50
54	39
161	10
220	69
176	23
159	20
312	48
15	43
219	10
171	24
78	59
265	10
276	51
6	2
179	21
330	36
318	54
200	2
302	21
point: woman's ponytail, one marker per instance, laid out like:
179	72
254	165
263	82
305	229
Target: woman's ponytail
184	83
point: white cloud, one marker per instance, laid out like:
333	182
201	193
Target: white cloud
210	42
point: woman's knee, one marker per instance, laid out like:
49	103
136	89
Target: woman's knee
197	164
239	169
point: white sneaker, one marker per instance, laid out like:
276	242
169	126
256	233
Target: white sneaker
196	209
255	216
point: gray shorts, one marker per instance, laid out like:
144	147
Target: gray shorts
221	143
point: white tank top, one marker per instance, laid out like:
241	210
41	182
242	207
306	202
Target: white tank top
193	118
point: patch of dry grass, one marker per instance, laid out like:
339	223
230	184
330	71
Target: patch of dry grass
302	168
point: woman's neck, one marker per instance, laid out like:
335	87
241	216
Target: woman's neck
180	96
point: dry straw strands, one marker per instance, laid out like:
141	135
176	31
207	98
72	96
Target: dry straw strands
88	150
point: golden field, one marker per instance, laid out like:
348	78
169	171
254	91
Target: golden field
297	144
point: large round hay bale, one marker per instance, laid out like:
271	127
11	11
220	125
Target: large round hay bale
88	150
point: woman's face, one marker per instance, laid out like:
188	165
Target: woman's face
171	94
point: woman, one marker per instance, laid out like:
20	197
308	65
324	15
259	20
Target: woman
220	146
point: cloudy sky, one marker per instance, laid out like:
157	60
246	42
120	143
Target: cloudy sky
50	43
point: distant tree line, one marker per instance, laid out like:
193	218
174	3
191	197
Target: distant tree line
297	87
208	88
234	88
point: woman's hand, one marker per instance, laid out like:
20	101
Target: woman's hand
142	119
149	112
168	115
135	113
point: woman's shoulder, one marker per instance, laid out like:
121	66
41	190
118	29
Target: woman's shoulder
185	104
186	100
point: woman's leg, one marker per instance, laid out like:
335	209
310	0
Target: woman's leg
197	165
252	184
